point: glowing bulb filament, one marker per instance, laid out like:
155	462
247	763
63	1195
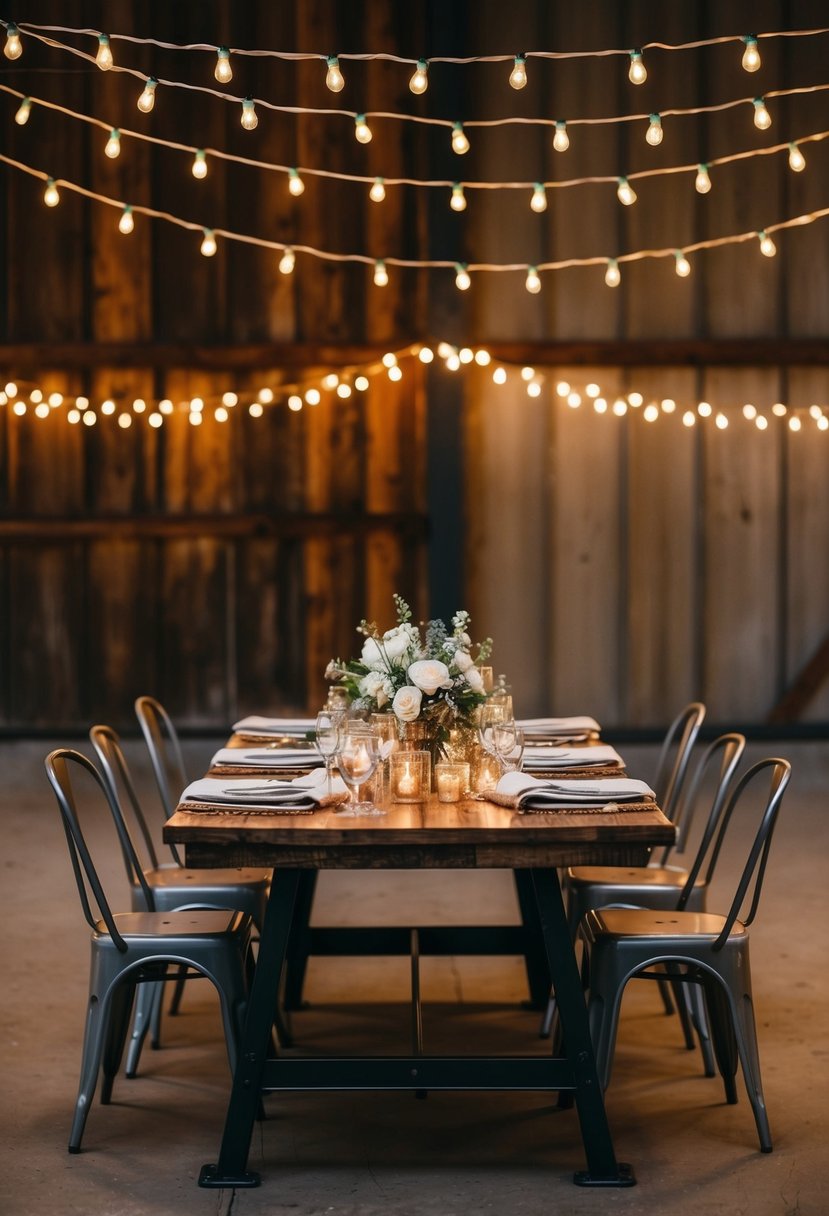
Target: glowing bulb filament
625	192
50	195
22	115
797	161
637	72
250	119
296	185
533	283
458	199
147	99
113	144
419	82
751	55
538	202
767	245
208	245
103	58
460	144
223	71
612	276
14	47
378	191
362	131
702	182
683	266
561	140
334	77
126	223
381	276
518	75
200	164
762	118
462	279
654	132
287	261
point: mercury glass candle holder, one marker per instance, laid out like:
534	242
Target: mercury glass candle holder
409	776
451	781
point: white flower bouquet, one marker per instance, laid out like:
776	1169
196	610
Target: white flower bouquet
425	674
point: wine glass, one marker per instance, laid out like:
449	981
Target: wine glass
358	755
327	735
492	717
509	744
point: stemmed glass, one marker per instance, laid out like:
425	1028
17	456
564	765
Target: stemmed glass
509	746
358	755
327	734
492	718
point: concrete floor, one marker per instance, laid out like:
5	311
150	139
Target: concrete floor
363	1155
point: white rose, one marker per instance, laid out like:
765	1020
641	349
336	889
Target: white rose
372	685
372	655
396	643
406	703
474	679
462	660
430	675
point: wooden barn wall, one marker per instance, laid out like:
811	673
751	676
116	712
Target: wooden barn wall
621	567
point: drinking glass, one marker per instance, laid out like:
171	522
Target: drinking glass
327	735
510	747
492	717
358	755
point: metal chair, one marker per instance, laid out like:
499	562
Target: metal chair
702	949
135	948
165	751
172	886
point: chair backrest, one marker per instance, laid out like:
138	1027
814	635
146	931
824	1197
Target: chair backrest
717	767
119	782
751	879
58	764
165	751
674	757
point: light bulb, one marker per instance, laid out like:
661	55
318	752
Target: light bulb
561	140
389	359
103	58
108	407
426	354
761	422
287	261
313	396
637	72
574	400
14	47
668	405
330	382
147	99
460	144
228	399
534	389
683	266
334	77
528	373
208	245
362	131
620	407
499	376
635	399
483	358
625	192
651	413
295	402
223	71
533	282
361	383
255	409
654	132
22	115
395	373
462	280
797	161
381	276
378	191
721	422
538	202
767	245
518	75
296	185
113	144
124	421
751	55
794	423
200	164
702	182
126	223
50	195
705	409
612	276
458	199
419	82
762	118
250	119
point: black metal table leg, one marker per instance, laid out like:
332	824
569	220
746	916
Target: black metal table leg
299	945
231	1168
602	1167
535	956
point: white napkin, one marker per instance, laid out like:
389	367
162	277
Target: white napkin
274	726
546	757
301	793
559	728
523	790
268	757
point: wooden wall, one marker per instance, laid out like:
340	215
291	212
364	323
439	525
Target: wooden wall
622	568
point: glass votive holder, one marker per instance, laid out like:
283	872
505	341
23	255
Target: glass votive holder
451	780
410	776
487	773
486	676
385	727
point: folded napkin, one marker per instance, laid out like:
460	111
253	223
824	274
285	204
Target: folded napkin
274	726
559	728
523	792
268	757
301	794
546	757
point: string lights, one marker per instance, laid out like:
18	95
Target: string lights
419	81
103	56
223	72
146	101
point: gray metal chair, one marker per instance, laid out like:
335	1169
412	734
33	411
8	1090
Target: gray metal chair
171	886
130	950
164	747
702	948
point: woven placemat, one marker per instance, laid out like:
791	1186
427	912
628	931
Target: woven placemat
230	808
250	770
610	808
586	771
